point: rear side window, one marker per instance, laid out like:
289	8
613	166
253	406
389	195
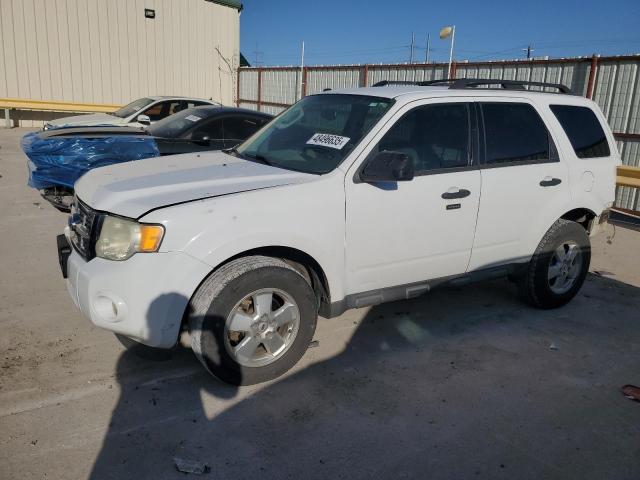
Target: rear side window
583	129
514	133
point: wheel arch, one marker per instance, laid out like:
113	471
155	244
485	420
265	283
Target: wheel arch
308	266
582	216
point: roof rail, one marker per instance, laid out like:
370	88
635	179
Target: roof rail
462	83
386	83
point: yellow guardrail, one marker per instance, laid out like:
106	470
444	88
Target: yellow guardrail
628	176
46	105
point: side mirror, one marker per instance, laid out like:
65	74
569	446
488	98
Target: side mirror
143	119
388	167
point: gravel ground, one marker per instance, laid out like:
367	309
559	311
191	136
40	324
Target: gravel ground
462	383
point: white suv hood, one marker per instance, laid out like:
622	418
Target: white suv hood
132	189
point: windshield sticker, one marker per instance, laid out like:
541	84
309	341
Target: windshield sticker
328	140
193	118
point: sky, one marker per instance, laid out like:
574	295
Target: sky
346	32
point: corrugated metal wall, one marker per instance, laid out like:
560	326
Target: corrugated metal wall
106	51
616	89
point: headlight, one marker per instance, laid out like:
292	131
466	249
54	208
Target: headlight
120	238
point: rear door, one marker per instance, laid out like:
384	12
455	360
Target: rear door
591	156
523	182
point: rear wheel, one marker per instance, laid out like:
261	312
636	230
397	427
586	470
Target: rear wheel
252	320
559	266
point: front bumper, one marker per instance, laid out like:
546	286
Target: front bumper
143	298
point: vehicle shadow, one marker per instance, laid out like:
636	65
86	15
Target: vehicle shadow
460	383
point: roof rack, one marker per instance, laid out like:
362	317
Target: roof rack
462	83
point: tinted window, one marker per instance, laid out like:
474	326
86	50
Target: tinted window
211	130
514	132
176	125
583	129
240	128
433	136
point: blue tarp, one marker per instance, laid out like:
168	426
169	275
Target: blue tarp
60	161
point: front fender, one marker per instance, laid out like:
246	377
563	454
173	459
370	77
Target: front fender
307	217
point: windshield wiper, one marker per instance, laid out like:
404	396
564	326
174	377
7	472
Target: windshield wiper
259	158
232	151
245	156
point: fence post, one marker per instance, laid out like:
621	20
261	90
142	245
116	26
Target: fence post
259	88
303	88
365	75
454	69
592	76
7	118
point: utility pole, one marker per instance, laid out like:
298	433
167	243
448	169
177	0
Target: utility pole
528	50
426	57
413	43
302	71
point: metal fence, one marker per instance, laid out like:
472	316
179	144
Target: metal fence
612	82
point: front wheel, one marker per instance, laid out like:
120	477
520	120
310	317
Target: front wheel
252	320
559	266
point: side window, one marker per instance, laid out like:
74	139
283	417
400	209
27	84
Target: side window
514	132
175	106
193	103
435	137
211	130
237	129
155	112
583	129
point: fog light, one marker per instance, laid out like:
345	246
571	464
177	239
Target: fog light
109	308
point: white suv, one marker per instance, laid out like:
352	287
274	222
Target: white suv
347	199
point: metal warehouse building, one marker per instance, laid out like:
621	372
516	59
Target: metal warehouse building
114	51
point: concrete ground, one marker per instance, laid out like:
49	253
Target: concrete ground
462	383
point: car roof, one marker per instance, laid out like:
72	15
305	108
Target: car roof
211	110
417	92
178	97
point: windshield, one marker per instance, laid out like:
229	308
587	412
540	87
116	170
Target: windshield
175	125
132	108
317	133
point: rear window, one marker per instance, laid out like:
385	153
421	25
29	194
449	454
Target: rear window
514	133
583	129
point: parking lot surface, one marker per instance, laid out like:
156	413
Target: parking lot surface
461	383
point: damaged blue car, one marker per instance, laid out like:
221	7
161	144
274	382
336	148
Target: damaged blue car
57	158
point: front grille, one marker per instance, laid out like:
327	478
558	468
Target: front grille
82	223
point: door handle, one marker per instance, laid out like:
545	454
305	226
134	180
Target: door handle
550	182
455	193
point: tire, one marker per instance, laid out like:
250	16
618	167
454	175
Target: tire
237	295
544	283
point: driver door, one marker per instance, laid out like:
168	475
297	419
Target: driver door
398	233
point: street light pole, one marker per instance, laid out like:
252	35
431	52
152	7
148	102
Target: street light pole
453	37
302	71
426	59
413	43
